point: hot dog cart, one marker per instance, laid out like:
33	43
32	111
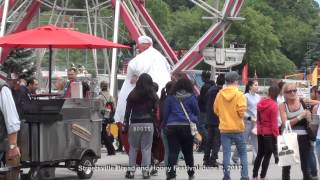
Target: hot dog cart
60	133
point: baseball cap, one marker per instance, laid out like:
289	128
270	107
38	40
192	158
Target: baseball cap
232	76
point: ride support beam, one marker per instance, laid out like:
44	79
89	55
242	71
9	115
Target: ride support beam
11	4
128	22
156	31
31	12
212	36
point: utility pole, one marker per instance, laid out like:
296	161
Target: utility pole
216	4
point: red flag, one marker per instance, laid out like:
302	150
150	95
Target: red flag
245	74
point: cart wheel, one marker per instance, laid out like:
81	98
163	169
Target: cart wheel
82	170
33	173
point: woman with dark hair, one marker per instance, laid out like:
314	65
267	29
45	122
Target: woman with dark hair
267	130
139	123
250	117
280	99
179	109
165	92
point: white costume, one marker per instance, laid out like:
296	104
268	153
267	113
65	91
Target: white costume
149	61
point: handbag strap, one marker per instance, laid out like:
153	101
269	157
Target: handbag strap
185	112
288	128
130	116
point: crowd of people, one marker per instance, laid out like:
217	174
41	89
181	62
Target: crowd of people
229	117
16	93
156	116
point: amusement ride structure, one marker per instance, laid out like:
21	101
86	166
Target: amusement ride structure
16	15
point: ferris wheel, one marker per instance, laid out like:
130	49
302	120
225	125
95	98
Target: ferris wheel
17	15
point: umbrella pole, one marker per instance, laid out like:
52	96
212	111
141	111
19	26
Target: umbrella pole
50	67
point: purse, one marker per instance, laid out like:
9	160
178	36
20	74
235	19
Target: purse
288	147
311	128
193	126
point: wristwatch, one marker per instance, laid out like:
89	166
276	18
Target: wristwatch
12	146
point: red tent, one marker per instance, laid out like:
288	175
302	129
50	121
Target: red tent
55	37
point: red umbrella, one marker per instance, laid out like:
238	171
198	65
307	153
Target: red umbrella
55	37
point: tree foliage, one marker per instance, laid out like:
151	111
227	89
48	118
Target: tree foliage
280	35
277	33
263	54
180	4
19	61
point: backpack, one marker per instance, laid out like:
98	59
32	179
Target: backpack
109	111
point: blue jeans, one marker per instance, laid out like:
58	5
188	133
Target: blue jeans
250	138
312	161
201	126
226	141
165	146
318	149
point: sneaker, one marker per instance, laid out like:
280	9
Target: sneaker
145	175
211	164
244	178
129	175
153	172
171	178
215	164
191	178
235	161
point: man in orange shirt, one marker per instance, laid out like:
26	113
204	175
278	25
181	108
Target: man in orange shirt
230	106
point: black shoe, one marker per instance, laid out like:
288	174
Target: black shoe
207	163
119	150
129	175
211	164
153	172
236	161
145	175
112	153
201	149
215	164
171	178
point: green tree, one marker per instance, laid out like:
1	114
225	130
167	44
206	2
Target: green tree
314	52
186	27
19	61
294	35
262	45
161	13
178	4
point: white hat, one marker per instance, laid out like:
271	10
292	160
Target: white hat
144	39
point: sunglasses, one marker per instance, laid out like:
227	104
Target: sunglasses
291	91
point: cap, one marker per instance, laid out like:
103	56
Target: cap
144	39
232	76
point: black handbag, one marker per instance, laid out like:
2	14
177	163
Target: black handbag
311	128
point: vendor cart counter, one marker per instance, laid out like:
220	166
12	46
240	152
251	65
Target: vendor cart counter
59	130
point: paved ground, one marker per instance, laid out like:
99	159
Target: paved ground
274	171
